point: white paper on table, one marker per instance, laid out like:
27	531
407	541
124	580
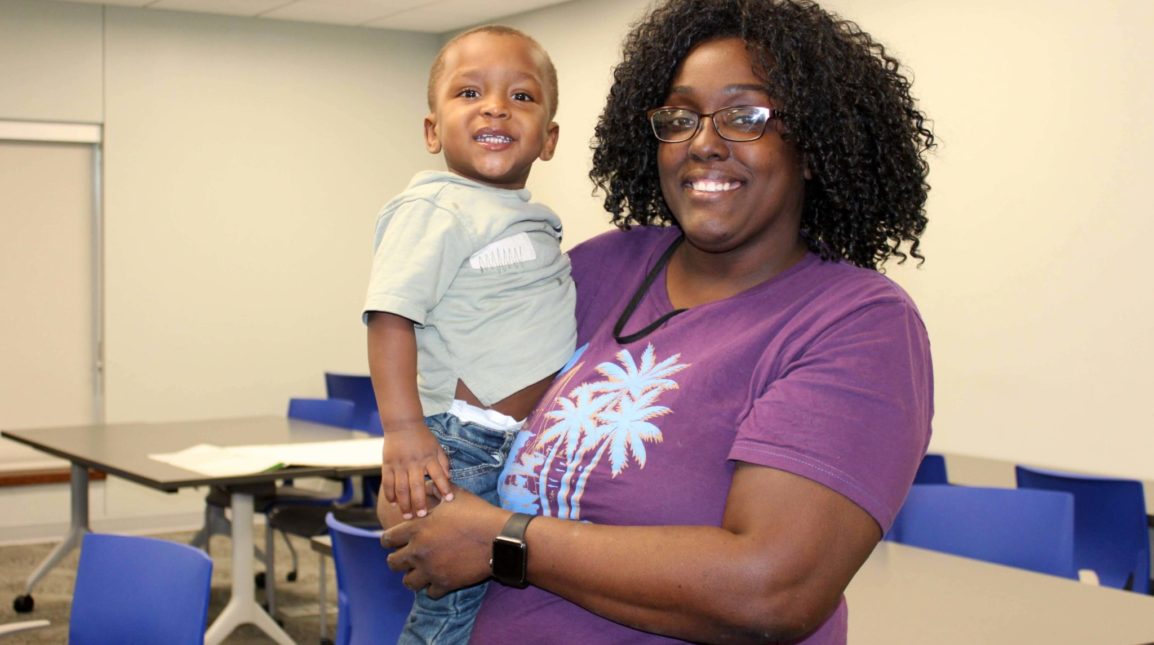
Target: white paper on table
208	459
212	460
342	452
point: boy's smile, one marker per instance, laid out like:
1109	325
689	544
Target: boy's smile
493	139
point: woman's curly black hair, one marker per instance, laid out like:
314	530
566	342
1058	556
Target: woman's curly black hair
846	106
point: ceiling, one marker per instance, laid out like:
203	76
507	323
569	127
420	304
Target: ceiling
430	16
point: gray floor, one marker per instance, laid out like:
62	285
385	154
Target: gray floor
297	601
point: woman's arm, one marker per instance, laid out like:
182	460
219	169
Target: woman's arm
774	570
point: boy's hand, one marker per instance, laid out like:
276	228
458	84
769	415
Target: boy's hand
412	452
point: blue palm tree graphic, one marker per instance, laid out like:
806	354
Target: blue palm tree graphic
608	417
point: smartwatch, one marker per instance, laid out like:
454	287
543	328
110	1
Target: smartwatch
510	553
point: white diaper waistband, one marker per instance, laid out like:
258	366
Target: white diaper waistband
488	418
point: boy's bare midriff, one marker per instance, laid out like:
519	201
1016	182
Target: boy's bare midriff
517	405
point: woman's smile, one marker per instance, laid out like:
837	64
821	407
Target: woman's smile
706	185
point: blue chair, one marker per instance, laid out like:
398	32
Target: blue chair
330	412
357	388
932	470
1029	529
375	424
1110	527
139	590
372	600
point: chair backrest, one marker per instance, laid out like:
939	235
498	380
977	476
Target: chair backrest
331	412
1029	529
1110	528
132	589
357	388
932	470
374	602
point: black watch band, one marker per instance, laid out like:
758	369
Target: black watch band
510	553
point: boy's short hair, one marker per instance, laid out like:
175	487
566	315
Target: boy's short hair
550	79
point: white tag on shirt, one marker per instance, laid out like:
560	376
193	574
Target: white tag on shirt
506	251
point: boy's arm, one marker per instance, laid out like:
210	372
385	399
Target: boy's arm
411	451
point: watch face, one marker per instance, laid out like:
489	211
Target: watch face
509	560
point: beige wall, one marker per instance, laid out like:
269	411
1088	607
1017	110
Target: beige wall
51	67
245	164
584	40
1036	289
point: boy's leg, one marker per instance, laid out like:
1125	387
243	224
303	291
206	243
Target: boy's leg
445	621
476	455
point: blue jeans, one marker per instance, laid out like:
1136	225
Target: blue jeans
476	456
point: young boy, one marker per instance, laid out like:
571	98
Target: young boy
470	304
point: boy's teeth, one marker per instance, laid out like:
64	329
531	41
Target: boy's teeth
713	186
493	138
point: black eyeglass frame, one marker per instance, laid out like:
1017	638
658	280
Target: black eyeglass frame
770	114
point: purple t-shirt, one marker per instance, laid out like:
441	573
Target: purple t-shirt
823	371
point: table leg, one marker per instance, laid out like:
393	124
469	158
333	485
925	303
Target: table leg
77	527
242	606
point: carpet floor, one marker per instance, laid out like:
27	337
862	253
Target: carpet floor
297	602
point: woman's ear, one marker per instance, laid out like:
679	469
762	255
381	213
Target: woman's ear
432	138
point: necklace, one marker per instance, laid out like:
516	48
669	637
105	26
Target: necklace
640	295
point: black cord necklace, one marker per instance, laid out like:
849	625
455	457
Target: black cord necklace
640	294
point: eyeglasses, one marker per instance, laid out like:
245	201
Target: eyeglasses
741	123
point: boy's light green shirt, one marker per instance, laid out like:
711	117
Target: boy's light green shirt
480	272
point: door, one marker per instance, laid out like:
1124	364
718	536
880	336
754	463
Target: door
48	289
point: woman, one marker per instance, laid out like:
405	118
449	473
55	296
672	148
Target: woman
752	397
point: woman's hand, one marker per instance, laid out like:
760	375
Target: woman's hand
449	548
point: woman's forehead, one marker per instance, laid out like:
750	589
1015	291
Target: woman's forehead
722	66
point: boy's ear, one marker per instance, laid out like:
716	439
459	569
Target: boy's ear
550	146
432	139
